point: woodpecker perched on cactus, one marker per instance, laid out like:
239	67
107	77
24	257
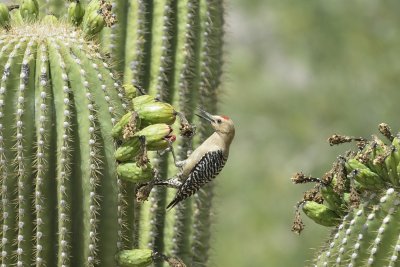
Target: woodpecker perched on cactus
205	162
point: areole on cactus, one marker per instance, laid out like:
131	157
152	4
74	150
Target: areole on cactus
60	147
359	196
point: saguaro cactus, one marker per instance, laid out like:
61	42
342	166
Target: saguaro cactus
360	197
62	204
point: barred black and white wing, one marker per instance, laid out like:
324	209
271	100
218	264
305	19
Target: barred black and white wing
205	170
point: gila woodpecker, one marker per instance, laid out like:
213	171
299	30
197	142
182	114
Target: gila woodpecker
205	162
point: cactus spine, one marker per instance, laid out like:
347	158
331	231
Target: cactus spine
364	186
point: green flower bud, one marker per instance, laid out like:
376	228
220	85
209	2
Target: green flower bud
75	13
158	136
363	175
332	199
157	112
93	23
50	19
131	172
130	91
4	16
135	258
137	102
320	213
128	150
29	10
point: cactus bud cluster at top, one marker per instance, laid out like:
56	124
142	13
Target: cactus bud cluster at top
360	197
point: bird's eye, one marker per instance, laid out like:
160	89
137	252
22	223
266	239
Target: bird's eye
219	120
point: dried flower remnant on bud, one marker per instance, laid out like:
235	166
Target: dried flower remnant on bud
385	130
130	129
300	178
175	262
337	139
313	195
142	159
298	224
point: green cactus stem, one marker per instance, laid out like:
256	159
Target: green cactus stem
365	182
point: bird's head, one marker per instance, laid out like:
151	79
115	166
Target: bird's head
222	125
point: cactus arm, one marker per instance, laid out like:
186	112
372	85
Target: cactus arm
9	80
63	108
45	191
210	42
25	132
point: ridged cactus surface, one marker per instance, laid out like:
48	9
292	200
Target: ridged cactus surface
361	198
62	204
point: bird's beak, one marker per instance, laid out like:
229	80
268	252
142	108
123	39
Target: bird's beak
205	115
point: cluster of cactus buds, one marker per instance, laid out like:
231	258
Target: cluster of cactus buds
371	169
147	127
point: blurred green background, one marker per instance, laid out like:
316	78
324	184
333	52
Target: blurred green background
297	72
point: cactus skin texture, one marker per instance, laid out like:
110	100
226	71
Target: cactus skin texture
364	204
173	49
62	204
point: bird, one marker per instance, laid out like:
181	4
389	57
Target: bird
205	162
